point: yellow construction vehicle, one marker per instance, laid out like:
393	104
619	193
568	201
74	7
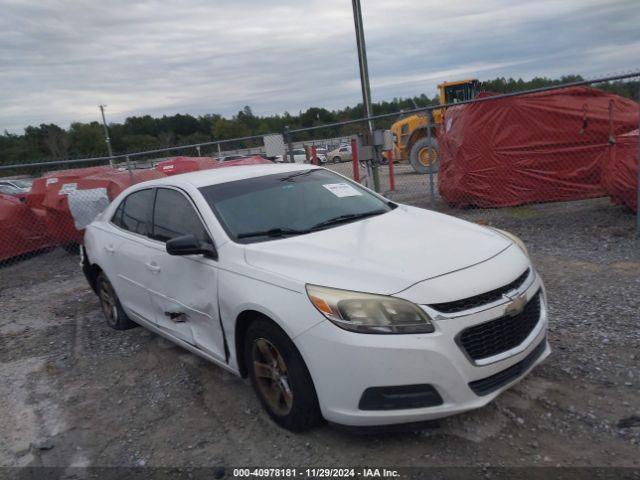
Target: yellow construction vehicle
410	133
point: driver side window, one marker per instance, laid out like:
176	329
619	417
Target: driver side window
174	216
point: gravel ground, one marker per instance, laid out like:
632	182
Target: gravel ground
75	393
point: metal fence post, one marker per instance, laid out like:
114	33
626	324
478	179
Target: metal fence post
432	193
198	150
375	174
368	174
129	168
354	156
287	141
392	180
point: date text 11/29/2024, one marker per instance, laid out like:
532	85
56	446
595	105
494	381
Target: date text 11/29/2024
317	472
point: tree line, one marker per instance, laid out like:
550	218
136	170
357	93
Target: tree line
138	133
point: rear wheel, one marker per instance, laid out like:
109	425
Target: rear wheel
280	377
336	159
424	155
111	308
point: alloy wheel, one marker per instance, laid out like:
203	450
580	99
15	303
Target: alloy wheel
272	376
109	303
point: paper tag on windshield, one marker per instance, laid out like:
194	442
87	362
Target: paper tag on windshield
52	180
342	190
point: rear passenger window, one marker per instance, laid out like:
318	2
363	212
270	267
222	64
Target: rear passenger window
134	213
117	217
174	216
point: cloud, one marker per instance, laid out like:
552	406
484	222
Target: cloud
61	58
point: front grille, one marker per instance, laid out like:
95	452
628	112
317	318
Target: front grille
502	334
481	299
490	384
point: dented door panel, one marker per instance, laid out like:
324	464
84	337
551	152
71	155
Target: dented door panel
185	298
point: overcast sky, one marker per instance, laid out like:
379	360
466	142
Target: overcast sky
59	59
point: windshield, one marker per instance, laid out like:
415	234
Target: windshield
290	203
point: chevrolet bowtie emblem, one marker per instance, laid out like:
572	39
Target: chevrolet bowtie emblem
516	306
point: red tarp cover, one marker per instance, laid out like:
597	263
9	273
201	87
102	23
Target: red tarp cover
48	197
185	164
531	148
115	181
620	170
53	180
21	230
192	164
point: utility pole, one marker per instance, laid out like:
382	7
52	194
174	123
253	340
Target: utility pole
364	80
106	135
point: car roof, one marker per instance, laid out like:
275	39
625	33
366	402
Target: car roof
232	173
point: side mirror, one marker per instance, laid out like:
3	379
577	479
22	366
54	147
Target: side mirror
190	245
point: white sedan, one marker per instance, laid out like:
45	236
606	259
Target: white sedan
336	302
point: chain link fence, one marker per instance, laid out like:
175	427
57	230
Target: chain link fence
570	148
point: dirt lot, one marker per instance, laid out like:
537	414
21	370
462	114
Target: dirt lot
74	392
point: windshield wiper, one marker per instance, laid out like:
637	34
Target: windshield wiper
281	232
306	172
349	217
274	232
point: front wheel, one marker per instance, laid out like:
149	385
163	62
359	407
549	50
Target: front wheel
424	155
280	377
336	159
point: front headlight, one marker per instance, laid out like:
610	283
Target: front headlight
513	238
369	313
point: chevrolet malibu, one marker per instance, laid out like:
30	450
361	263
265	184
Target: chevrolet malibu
337	303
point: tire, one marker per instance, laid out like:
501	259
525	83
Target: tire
111	307
298	411
336	159
422	152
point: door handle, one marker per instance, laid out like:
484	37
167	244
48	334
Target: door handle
154	267
177	317
109	248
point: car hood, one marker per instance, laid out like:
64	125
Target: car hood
383	254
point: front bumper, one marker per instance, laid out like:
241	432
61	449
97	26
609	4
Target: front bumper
86	270
344	364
